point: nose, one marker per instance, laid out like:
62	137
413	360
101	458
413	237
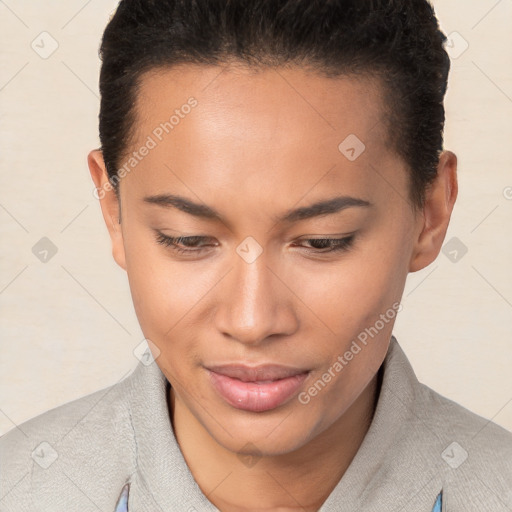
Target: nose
255	302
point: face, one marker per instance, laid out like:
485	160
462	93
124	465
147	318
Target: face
274	310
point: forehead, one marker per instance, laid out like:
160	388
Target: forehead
236	96
272	128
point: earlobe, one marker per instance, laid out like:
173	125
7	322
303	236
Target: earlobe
109	203
439	202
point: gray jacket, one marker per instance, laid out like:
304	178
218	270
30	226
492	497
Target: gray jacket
420	446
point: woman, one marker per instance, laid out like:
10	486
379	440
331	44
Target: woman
269	174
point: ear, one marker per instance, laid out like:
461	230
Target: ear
109	202
439	201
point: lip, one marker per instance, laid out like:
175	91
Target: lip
256	389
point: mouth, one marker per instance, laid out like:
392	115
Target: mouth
256	389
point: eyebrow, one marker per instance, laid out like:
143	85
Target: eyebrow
320	208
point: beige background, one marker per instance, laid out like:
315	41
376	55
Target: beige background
68	326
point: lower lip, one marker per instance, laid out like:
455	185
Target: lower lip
254	397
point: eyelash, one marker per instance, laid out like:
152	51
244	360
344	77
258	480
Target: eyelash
335	244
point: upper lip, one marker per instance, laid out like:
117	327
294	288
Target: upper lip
256	373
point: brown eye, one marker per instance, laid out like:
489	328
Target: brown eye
183	244
327	245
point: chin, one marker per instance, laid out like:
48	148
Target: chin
262	436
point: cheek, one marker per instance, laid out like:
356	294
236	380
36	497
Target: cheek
351	294
350	301
163	291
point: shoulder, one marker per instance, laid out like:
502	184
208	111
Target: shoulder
474	452
430	436
71	440
483	437
435	418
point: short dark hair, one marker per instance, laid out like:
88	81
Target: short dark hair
398	41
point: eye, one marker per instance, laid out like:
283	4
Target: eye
330	244
198	244
183	244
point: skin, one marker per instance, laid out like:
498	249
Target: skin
256	145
